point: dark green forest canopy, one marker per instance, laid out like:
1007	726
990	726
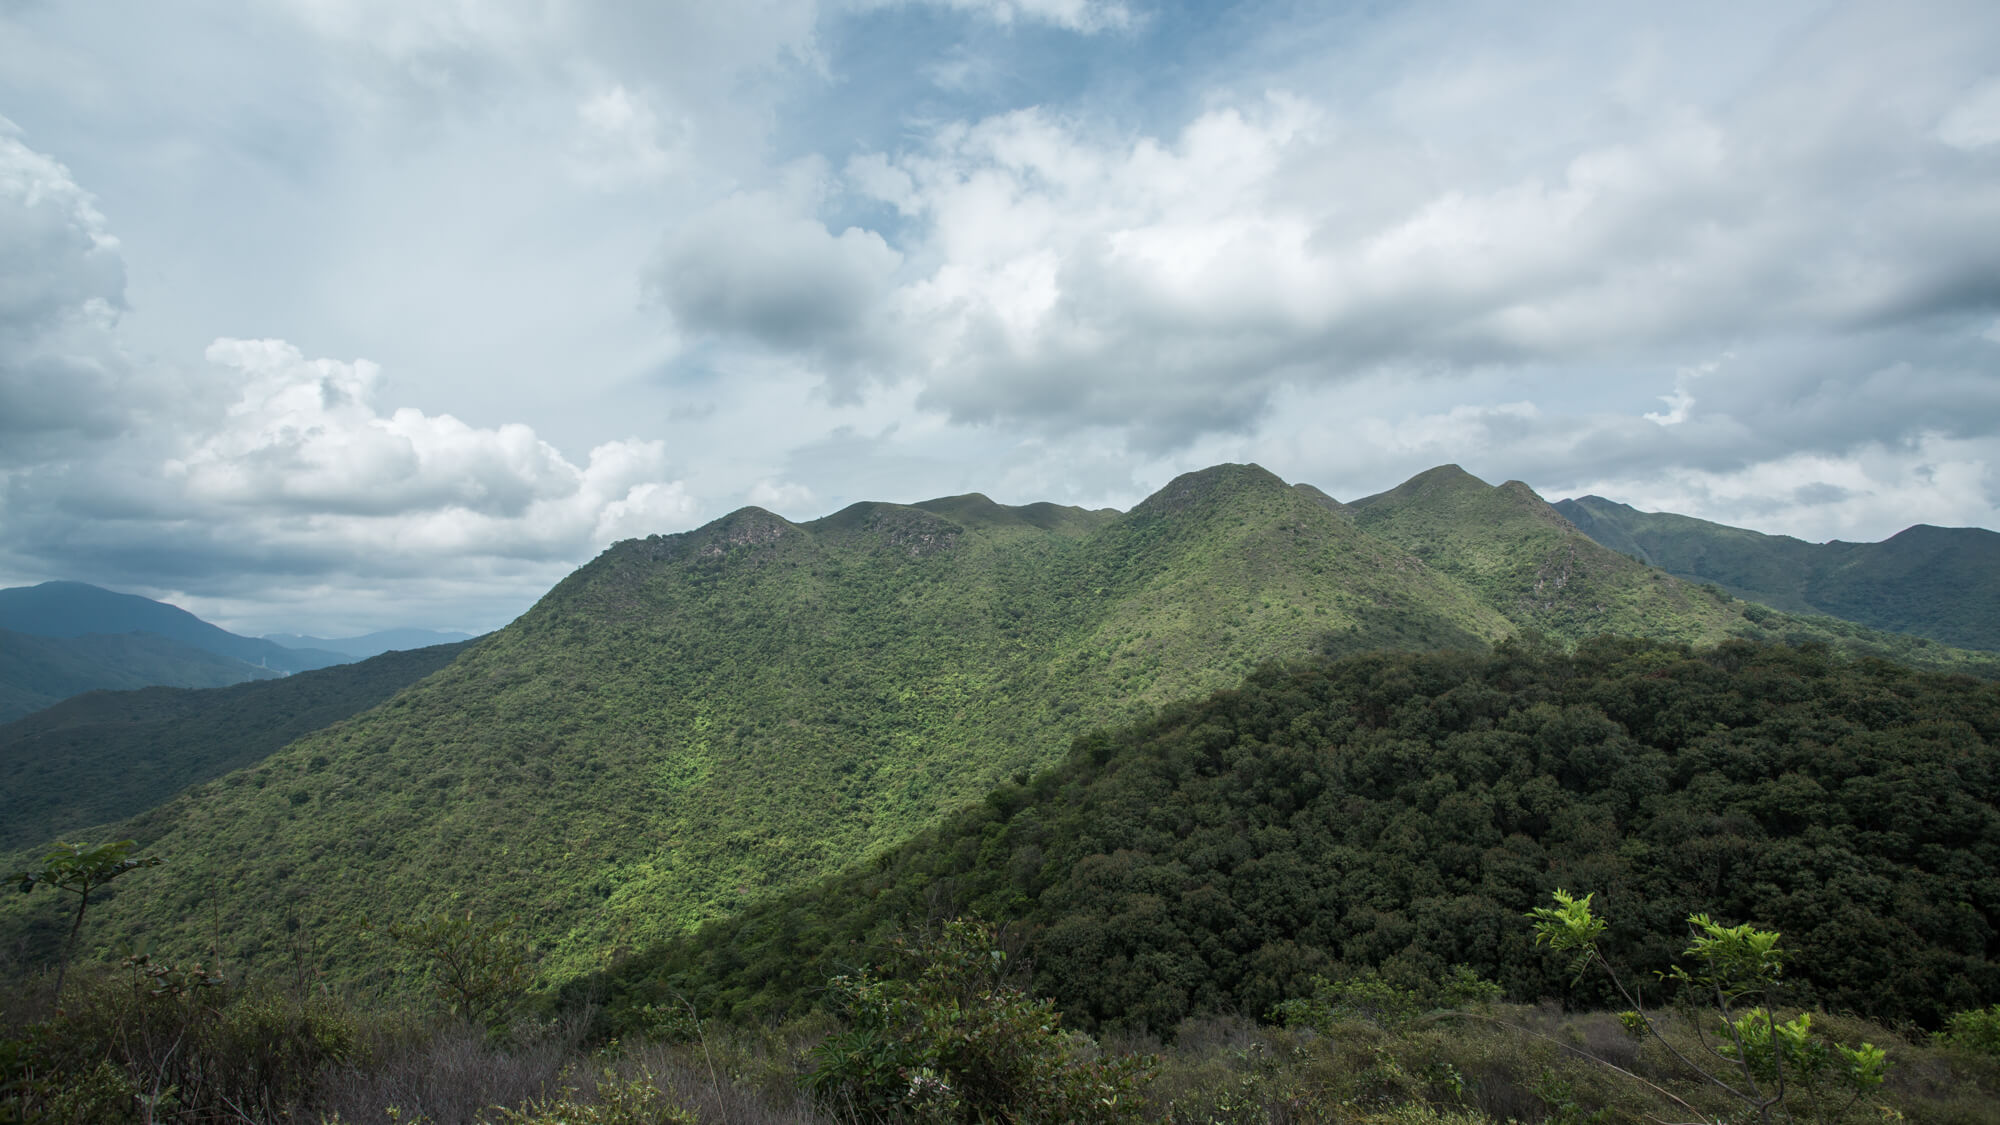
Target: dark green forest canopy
1403	811
695	722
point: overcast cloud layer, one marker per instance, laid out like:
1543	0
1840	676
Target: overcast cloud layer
331	315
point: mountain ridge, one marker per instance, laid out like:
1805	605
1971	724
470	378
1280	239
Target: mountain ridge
38	671
1934	582
71	609
691	722
365	645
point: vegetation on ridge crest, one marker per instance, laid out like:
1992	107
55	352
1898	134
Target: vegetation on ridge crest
692	723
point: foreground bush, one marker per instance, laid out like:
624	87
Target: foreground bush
155	1041
952	1042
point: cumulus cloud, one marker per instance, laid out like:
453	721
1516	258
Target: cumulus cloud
62	287
1080	247
780	495
753	267
306	439
1796	254
1862	494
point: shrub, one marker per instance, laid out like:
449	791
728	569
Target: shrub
1975	1030
1771	1065
952	1042
634	1101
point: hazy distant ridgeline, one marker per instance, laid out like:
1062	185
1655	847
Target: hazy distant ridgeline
60	639
370	644
108	755
1936	582
36	672
693	722
73	609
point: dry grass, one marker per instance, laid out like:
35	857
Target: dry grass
1512	1064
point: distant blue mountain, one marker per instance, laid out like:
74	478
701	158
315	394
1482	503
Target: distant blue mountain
75	609
370	644
38	672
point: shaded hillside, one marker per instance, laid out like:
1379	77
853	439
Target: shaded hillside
1402	812
74	609
108	755
1935	582
693	721
37	672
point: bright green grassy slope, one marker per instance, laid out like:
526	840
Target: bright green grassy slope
1937	582
690	722
107	755
1521	556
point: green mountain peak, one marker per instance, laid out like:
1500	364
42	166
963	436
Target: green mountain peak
694	722
976	510
1205	491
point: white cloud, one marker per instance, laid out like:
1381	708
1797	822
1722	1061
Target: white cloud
622	141
780	495
62	287
1047	266
305	435
1057	275
1681	401
305	446
1863	495
1084	16
407	29
1974	121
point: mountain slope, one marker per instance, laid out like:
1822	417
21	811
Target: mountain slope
36	672
1936	582
1525	559
1404	811
1532	564
692	721
108	755
73	609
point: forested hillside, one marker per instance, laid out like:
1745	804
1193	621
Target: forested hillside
107	755
1936	582
692	723
1402	812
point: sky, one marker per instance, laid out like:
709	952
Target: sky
335	315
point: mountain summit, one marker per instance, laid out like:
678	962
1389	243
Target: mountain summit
691	722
